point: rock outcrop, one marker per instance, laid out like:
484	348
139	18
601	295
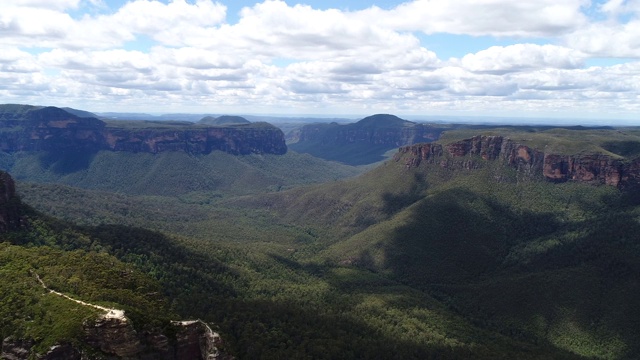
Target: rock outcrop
113	335
196	340
28	128
16	349
470	153
115	338
193	340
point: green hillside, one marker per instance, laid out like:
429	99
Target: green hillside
527	258
173	173
29	312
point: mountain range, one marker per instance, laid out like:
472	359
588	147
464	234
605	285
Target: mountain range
30	128
468	242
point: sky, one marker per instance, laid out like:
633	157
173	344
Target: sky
576	59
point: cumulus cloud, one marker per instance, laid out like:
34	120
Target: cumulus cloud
23	23
616	8
42	4
607	40
483	17
280	55
522	57
166	23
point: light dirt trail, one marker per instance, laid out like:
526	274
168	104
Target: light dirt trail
110	313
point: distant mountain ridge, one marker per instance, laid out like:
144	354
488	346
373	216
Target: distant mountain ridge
223	120
33	128
362	142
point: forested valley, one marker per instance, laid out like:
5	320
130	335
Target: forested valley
432	254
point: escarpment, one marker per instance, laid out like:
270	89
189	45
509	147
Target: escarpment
29	128
472	153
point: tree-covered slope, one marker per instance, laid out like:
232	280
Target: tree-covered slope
507	249
270	301
173	173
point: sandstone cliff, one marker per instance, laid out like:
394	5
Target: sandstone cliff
470	154
115	338
28	128
191	340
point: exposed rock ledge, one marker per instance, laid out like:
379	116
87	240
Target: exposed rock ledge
114	335
588	168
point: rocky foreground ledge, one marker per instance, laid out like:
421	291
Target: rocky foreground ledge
113	335
115	338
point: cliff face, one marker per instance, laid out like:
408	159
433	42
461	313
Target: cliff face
9	204
237	139
117	339
588	168
50	128
13	349
193	340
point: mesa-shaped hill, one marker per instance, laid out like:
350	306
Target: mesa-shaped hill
32	128
223	120
363	142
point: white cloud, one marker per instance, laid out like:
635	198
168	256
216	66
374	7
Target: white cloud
166	22
49	27
482	17
616	8
42	4
97	60
607	40
197	58
522	57
279	55
275	29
